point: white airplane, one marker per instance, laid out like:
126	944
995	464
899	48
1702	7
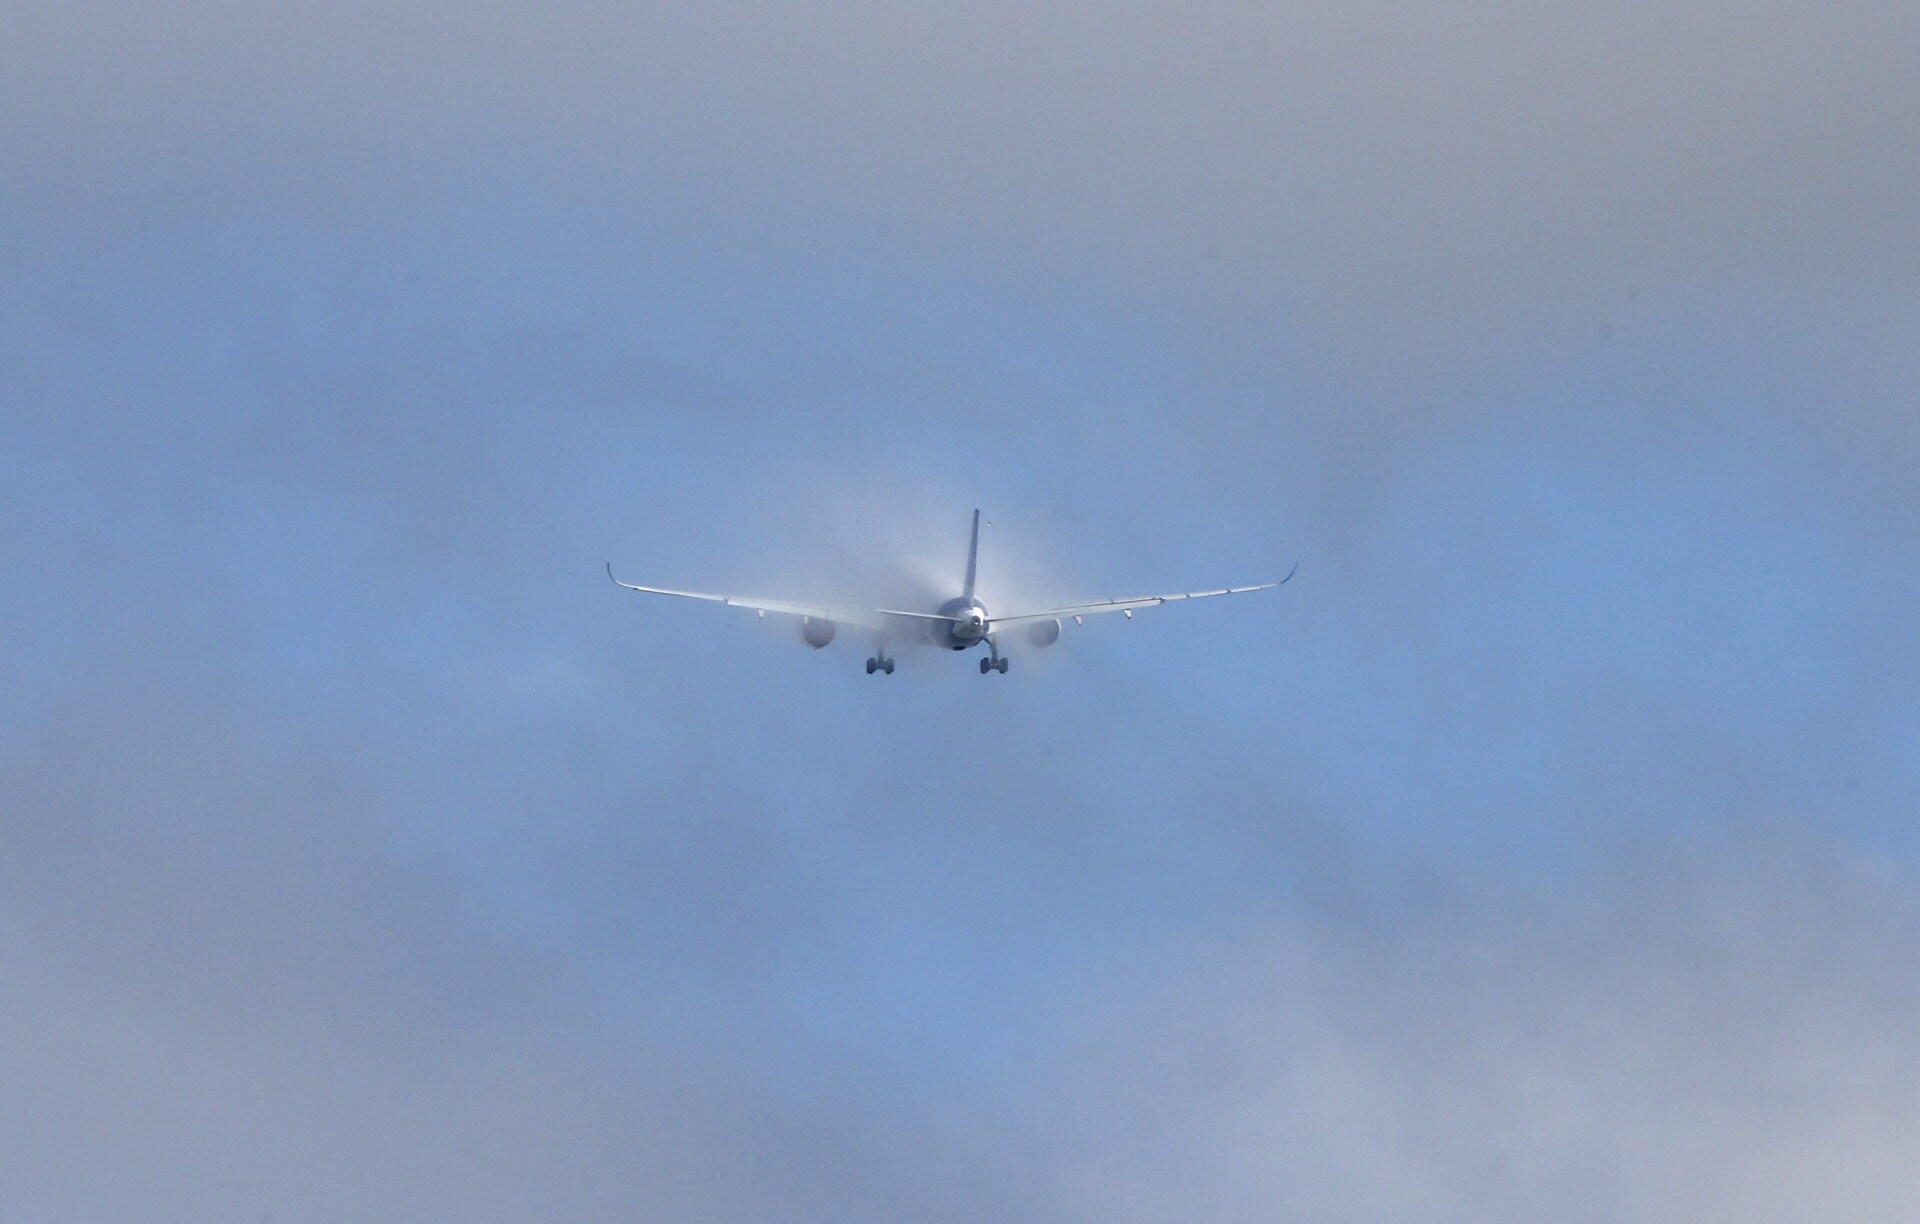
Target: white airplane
962	622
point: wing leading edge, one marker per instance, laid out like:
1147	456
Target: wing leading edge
840	616
1144	601
878	619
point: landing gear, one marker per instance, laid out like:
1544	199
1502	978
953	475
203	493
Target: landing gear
880	661
994	660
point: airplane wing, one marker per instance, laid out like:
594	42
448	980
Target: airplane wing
1076	611
839	616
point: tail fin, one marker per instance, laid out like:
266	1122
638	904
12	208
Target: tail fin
973	554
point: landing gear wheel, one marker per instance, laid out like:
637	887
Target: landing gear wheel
986	665
871	665
887	667
1003	667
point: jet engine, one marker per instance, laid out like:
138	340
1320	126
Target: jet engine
1044	632
816	630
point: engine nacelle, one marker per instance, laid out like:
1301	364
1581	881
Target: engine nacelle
1044	633
817	631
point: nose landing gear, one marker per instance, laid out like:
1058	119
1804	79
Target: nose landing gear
880	661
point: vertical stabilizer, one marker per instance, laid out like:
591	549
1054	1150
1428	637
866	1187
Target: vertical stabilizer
973	555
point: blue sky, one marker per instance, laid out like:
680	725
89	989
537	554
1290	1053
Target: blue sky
1545	848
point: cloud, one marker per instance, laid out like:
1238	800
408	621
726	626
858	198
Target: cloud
234	989
1690	1035
231	991
1327	236
1486	146
362	853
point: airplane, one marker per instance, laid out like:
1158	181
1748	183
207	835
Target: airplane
961	623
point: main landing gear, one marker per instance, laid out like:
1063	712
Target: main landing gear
880	661
994	660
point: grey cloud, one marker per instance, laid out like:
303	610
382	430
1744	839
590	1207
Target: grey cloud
233	990
1486	146
1689	1036
230	992
1344	233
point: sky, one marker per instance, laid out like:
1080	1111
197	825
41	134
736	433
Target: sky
1545	850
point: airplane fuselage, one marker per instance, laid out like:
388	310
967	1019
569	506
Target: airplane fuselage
966	624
